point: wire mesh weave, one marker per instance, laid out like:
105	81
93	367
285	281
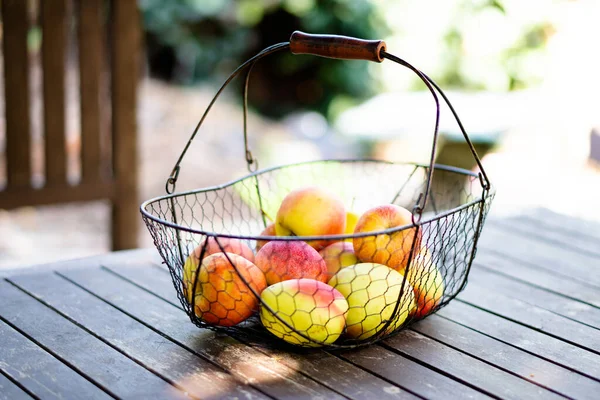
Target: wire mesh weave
183	223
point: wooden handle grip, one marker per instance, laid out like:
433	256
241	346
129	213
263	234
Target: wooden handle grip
335	46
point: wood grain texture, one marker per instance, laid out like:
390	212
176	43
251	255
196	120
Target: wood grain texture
321	366
561	305
533	317
188	372
85	353
545	231
337	46
540	344
16	92
10	391
55	16
508	358
545	256
528	273
409	374
464	368
18	197
39	372
247	364
92	44
125	64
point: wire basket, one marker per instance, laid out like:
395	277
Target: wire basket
330	253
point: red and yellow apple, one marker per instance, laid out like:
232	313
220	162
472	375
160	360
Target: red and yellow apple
372	291
283	260
268	231
427	281
391	249
337	256
214	245
312	308
220	296
311	211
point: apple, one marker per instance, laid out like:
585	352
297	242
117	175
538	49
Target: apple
311	211
311	307
391	249
337	256
351	220
220	296
235	246
268	231
372	291
282	260
427	281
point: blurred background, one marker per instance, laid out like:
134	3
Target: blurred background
523	76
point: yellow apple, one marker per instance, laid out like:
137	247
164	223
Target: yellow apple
311	307
372	291
311	211
392	249
427	281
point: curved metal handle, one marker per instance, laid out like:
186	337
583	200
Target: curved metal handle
341	47
336	46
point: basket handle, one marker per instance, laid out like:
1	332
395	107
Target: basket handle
339	47
336	46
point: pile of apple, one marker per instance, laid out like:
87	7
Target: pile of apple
323	289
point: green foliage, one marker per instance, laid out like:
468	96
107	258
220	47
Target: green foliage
196	40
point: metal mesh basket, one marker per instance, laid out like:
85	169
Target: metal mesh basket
353	287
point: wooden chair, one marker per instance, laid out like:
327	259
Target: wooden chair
104	29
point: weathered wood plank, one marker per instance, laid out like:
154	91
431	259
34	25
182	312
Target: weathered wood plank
465	368
545	256
409	375
531	275
533	317
86	354
54	43
91	62
572	309
321	366
545	231
16	92
568	224
10	391
39	372
189	372
14	197
247	364
126	52
540	344
508	358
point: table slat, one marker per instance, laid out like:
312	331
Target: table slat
530	274
465	368
545	256
83	352
568	224
540	344
508	358
10	391
39	372
321	366
409	374
533	317
568	308
245	363
175	364
541	230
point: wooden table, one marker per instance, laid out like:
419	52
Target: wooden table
527	326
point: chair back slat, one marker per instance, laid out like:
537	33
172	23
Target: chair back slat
54	14
16	92
125	36
91	62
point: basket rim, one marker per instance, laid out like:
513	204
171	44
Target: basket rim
485	195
